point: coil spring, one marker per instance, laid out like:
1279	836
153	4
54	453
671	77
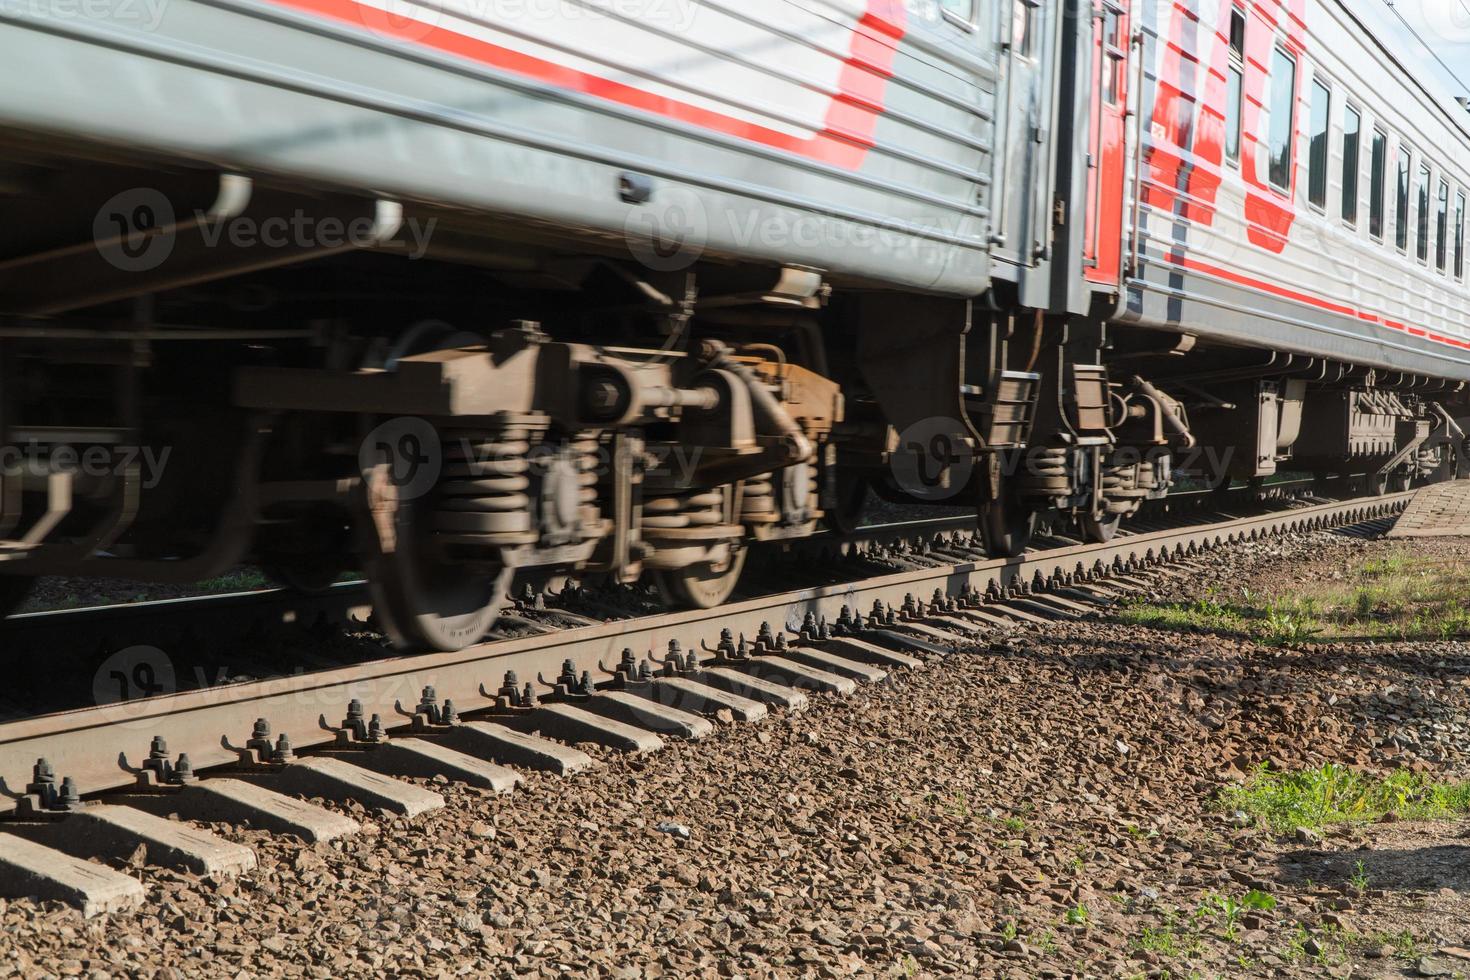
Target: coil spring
585	446
704	509
1127	481
1048	473
484	483
760	505
758	500
813	494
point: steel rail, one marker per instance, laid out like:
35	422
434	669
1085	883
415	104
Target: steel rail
98	746
278	604
351	599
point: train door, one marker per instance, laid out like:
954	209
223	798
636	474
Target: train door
1107	155
1024	160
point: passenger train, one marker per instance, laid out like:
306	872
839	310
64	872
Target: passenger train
471	294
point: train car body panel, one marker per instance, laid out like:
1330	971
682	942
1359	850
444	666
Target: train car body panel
1222	250
852	136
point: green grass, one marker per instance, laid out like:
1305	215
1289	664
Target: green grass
1398	596
1336	794
1405	946
1166	940
241	581
1360	878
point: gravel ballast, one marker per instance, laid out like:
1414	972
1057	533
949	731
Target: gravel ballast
1040	804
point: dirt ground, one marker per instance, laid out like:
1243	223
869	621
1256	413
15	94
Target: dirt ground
1045	803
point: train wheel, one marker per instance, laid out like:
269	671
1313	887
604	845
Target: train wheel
423	604
1007	525
424	601
1100	530
14	590
699	586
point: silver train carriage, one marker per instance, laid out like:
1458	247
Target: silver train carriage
475	295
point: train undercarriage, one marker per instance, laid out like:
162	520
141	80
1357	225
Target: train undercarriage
497	412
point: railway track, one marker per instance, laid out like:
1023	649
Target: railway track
339	734
67	659
196	618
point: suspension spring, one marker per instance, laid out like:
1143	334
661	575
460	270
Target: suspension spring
702	509
483	489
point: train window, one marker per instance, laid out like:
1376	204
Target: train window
1442	228
961	10
1232	117
1377	181
1423	243
1235	81
1401	215
1352	160
1237	32
1460	236
1023	27
1283	118
1317	149
1115	55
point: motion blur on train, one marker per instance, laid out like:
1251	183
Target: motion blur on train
471	296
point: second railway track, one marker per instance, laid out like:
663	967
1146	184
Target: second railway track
198	619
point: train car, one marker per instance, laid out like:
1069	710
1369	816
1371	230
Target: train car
465	292
1301	198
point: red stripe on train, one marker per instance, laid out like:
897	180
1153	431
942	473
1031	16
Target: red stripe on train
1310	299
844	141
